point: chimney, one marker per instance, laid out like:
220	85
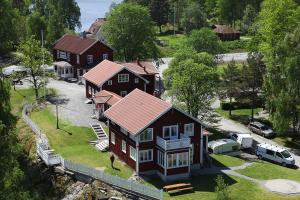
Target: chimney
139	64
83	34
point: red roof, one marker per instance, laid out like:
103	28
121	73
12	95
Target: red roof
74	44
137	110
107	97
223	29
107	69
142	67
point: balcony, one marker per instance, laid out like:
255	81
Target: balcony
173	143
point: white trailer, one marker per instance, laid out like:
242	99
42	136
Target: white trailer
245	140
223	146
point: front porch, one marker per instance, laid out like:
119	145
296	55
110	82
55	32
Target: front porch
64	69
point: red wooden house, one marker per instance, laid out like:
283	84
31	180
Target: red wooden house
122	78
75	55
226	33
153	137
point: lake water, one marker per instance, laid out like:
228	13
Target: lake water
93	9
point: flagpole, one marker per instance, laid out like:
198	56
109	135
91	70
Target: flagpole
44	65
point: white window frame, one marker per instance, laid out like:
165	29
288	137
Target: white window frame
192	154
123	130
160	158
170	127
109	82
136	80
132	151
177	156
63	55
78	59
123	146
105	56
90	59
146	154
113	138
68	56
123	93
123	78
148	129
186	126
57	53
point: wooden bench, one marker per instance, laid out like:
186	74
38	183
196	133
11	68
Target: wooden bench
178	187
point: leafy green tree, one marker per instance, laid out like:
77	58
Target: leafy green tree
221	188
249	17
230	11
193	82
159	10
129	29
231	82
252	78
35	24
193	17
31	57
204	40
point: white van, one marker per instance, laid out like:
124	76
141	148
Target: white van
274	153
245	140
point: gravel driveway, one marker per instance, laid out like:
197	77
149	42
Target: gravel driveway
72	106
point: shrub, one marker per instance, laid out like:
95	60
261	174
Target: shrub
221	188
229	46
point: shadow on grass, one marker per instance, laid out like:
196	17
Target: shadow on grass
201	183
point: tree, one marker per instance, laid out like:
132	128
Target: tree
204	40
221	188
193	17
252	78
230	11
35	24
129	30
31	57
249	17
159	10
231	82
193	82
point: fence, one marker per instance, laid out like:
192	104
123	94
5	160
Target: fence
51	159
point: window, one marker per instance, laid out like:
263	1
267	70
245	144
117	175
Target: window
189	129
278	155
170	131
57	53
105	56
123	93
146	155
136	80
112	138
123	130
192	154
123	78
270	152
132	153
178	160
161	158
68	56
62	55
90	59
124	146
109	82
146	135
78	59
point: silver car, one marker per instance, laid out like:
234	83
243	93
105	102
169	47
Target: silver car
261	129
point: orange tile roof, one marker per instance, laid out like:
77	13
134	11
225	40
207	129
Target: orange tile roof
102	72
137	110
142	67
105	96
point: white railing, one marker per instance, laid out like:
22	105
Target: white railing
44	151
173	144
114	180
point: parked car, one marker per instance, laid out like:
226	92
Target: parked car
245	140
275	154
223	146
261	129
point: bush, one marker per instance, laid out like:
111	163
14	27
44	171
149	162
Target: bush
225	105
221	188
229	46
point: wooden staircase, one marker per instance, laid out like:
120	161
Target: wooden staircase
102	145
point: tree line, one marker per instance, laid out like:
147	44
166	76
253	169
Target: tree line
22	19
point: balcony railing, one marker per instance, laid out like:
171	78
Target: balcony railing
173	143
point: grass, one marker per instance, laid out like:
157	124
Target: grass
171	44
19	97
266	171
204	189
290	140
72	142
226	161
240	115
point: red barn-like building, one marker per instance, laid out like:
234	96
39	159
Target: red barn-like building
75	55
153	137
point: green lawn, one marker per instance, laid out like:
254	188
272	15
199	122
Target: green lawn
171	44
72	143
204	187
266	171
291	141
19	97
226	161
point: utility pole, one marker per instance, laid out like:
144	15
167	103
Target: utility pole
56	116
44	65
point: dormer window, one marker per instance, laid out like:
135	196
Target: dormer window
90	59
109	82
123	78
